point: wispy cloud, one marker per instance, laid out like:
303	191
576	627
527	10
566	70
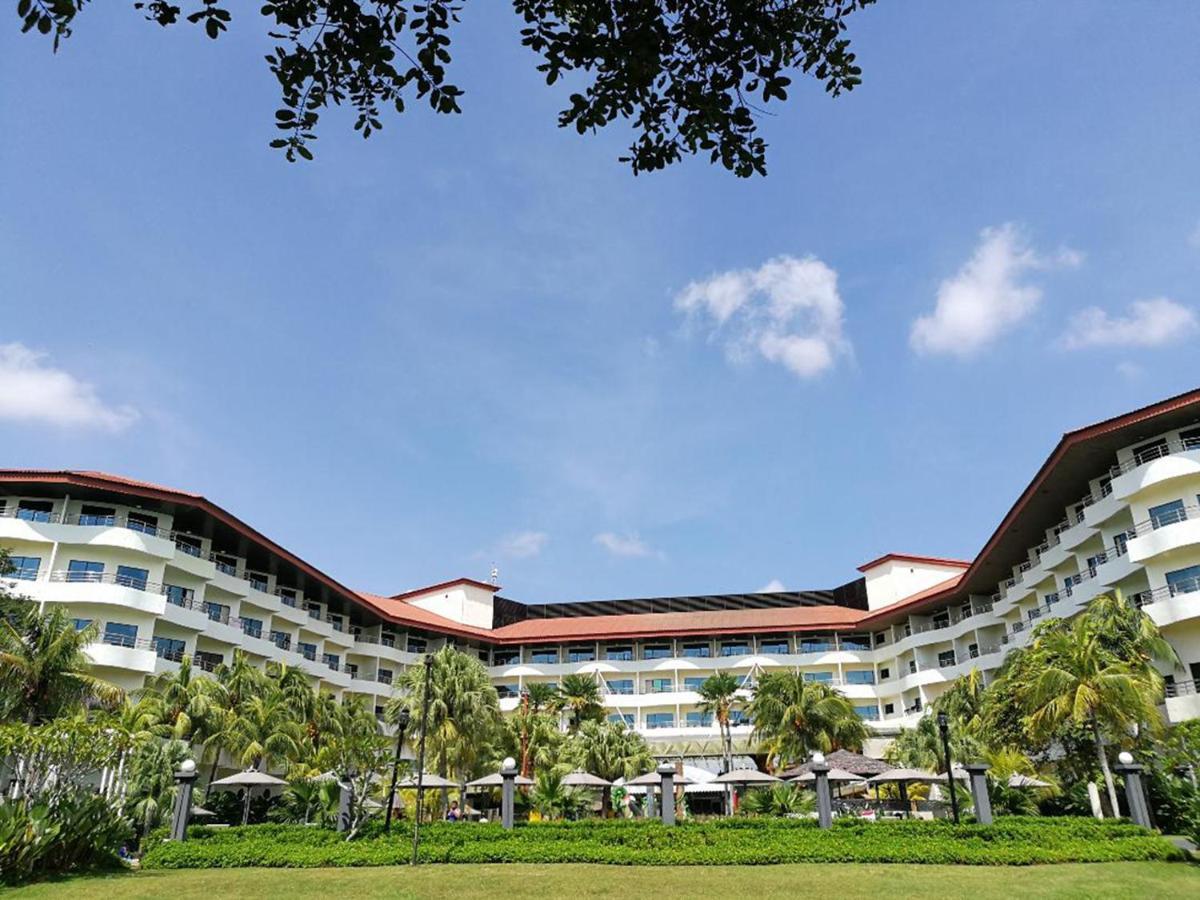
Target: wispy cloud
787	311
1149	323
522	545
988	297
31	390
773	586
628	545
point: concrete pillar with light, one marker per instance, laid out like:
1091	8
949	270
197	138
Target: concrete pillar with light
820	770
185	779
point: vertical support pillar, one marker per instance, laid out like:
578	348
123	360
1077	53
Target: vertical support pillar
508	774
345	802
185	778
820	772
667	773
1135	794
979	792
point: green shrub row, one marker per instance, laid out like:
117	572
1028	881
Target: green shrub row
727	842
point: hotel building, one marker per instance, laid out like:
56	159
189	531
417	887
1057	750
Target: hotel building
168	574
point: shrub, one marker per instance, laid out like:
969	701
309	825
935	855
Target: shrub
73	832
1013	841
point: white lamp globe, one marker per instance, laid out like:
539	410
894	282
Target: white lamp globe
188	766
1125	758
819	758
509	763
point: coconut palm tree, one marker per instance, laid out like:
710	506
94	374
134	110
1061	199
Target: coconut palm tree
264	732
554	800
179	701
1075	678
152	787
779	800
718	694
579	697
610	751
44	667
539	695
793	717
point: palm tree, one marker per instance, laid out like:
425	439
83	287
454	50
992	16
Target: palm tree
1075	678
552	799
610	751
779	800
264	732
718	693
579	697
532	737
1129	632
180	701
44	667
540	695
152	781
793	717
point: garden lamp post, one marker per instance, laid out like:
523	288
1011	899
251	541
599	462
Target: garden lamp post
1135	795
943	722
508	775
402	721
820	769
421	757
186	779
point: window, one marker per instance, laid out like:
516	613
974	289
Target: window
544	656
581	654
880	638
286	596
83	570
387	639
505	657
384	676
351	669
416	645
658	686
973	651
656	651
119	634
946	658
620	686
854	642
889	708
97	515
34	510
738	717
188	545
338	623
206	660
860	676
308	651
1167	513
379	712
216	612
132	577
697	651
331	659
870	713
1152	450
281	639
822	677
735	648
942	619
697	719
483	655
81	624
1190	438
168	648
912	667
257	581
885	673
226	564
625	719
179	596
23	568
143	522
619	653
660	720
815	645
252	627
774	645
506	690
313	610
693	682
1184	581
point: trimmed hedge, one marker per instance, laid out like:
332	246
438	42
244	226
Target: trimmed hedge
1012	841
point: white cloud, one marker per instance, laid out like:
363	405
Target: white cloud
523	544
787	311
625	545
773	586
987	297
33	391
1150	323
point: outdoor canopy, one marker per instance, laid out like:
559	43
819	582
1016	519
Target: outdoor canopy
834	775
745	776
1018	780
584	779
249	778
496	780
906	775
653	779
428	780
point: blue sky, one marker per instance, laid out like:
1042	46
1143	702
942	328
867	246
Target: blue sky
481	339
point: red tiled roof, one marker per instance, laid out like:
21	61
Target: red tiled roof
415	592
908	557
941	588
407	614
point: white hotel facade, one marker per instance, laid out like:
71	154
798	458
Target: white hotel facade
167	574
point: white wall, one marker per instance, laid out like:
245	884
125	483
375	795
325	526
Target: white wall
895	579
463	603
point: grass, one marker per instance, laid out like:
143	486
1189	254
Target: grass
1096	880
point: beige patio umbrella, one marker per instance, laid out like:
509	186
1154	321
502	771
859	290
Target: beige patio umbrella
745	776
584	779
428	781
249	779
497	780
1017	780
834	775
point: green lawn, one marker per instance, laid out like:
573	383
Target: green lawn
1097	880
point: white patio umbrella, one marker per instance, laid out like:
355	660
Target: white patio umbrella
1018	780
745	776
496	780
834	776
584	779
653	779
249	778
428	781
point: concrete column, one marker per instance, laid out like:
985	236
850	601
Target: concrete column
345	802
507	791
979	792
820	771
186	779
1135	794
667	773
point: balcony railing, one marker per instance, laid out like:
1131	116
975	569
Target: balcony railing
129	581
1182	688
1163	520
125	640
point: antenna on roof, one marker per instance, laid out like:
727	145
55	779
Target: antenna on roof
495	577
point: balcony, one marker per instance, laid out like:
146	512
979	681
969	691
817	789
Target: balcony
100	587
1171	531
1183	701
107	531
1174	603
1155	465
121	652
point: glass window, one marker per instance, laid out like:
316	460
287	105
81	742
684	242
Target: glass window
625	718
815	645
143	522
120	634
97	515
656	651
337	622
216	612
860	676
1152	450
179	596
81	624
735	648
23	568
658	685
774	645
384	676
544	656
281	639
308	651
416	645
880	638
188	545
660	720
130	576
620	686
581	654
822	677
34	510
252	627
854	642
889	708
505	657
697	651
946	658
84	570
619	653
169	648
1184	581
387	639
885	673
257	581
867	712
693	682
697	719
1167	513
226	564
738	717
207	661
331	659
